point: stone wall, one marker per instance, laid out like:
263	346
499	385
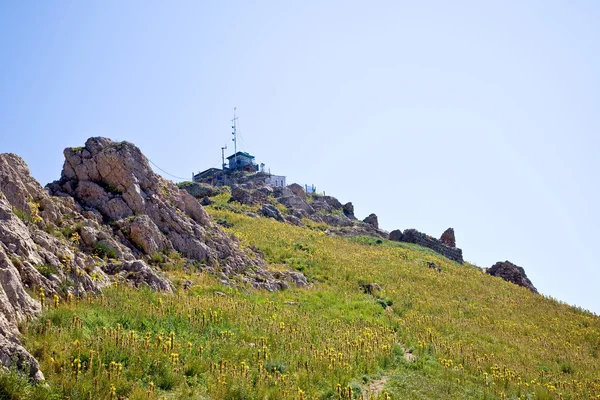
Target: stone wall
416	237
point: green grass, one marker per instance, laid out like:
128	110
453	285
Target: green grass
471	335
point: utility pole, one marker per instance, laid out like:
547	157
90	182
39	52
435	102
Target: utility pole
234	133
223	156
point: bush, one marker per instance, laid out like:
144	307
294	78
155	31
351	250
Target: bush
46	270
103	250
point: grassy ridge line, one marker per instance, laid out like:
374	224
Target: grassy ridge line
494	330
474	336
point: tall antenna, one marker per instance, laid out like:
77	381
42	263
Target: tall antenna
234	133
223	156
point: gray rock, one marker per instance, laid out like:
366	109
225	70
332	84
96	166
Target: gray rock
206	201
416	237
297	190
511	273
396	235
199	190
282	192
296	203
138	273
270	211
294	220
448	238
348	209
336	220
144	233
332	201
372	220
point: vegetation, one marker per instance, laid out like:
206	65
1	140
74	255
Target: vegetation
455	334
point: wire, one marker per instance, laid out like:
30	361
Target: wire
178	177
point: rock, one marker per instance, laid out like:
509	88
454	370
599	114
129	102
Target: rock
372	220
246	196
396	235
144	233
332	201
369	288
138	273
448	238
336	220
266	190
434	266
108	201
297	190
199	190
294	220
348	209
270	211
206	201
282	192
416	237
12	354
241	196
294	202
511	273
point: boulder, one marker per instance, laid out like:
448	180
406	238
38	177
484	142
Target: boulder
416	237
144	233
348	209
372	220
336	220
282	192
332	201
396	235
270	211
297	190
511	273
199	190
294	202
448	238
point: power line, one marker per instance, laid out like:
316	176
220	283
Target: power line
178	177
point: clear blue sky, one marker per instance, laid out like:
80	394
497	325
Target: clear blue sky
483	116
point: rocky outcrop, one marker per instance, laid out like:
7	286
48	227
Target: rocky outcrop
511	273
297	190
372	220
396	235
348	210
294	202
416	237
270	211
247	196
108	213
448	238
116	181
199	190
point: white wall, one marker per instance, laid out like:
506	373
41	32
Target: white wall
275	180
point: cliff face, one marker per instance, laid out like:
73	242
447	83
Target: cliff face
107	215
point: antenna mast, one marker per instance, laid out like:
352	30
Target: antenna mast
223	156
234	133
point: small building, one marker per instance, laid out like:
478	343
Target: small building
211	176
275	180
241	160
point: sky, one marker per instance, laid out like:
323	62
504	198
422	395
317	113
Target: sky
481	116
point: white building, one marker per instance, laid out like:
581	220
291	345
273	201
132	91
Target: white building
275	180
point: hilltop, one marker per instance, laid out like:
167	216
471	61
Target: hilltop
119	284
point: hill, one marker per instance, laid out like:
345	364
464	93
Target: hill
281	307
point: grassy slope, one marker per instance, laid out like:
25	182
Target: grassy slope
474	336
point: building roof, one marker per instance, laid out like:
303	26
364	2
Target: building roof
208	171
240	153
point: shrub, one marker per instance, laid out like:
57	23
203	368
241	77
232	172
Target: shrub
103	250
46	270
